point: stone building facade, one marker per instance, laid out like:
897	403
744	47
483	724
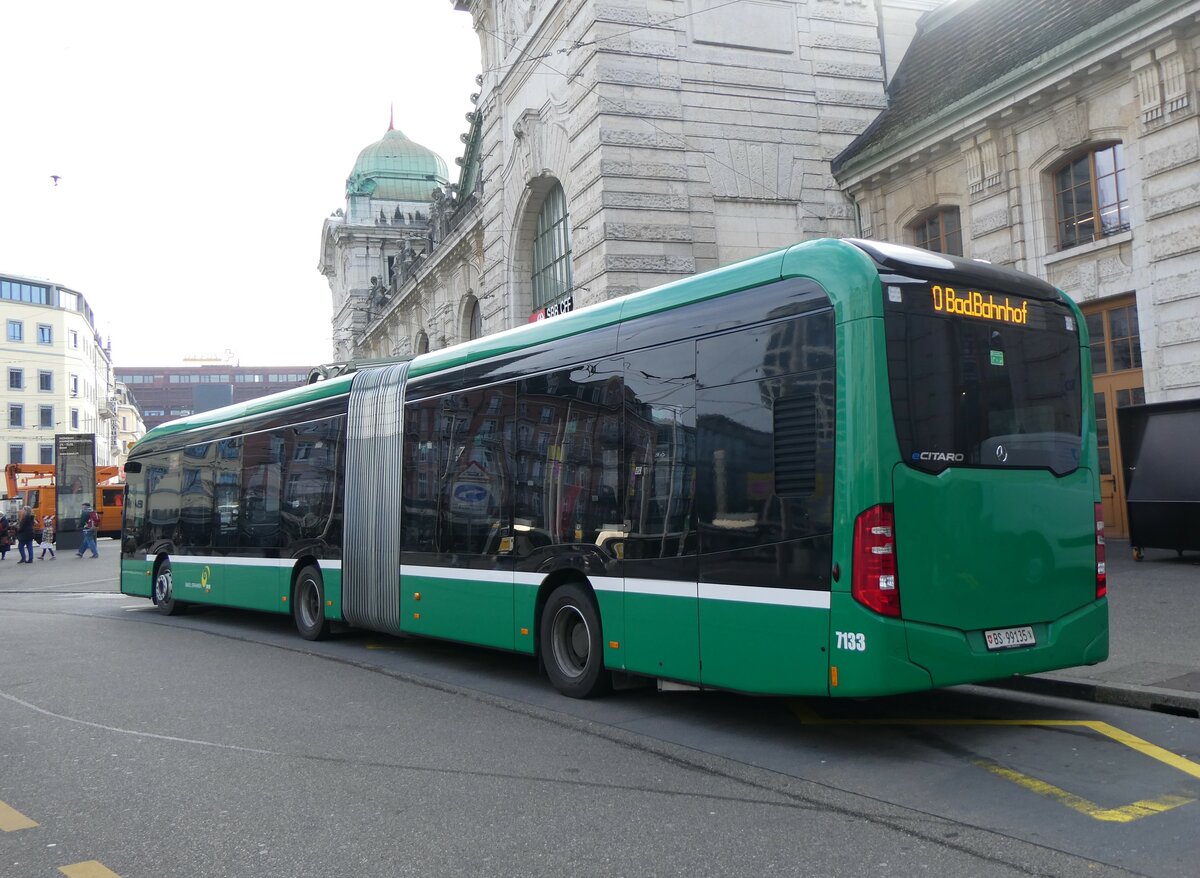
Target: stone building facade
616	146
1060	137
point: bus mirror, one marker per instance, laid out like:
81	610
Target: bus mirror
133	466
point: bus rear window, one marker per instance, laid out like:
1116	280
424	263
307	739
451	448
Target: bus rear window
980	378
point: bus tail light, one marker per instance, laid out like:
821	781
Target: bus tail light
874	584
1101	575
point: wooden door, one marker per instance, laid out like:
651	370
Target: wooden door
1117	374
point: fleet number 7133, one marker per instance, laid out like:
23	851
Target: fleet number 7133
852	640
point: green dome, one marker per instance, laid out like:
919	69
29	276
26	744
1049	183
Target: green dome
396	169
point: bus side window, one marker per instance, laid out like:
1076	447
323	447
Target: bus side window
261	491
765	453
162	473
227	480
660	461
566	459
475	473
311	480
418	520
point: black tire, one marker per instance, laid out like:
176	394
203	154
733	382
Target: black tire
164	590
572	644
308	605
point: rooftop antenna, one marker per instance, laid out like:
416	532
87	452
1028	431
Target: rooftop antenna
391	119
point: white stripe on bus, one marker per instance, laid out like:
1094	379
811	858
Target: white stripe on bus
709	591
243	562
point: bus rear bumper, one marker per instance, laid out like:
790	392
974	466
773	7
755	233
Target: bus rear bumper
952	656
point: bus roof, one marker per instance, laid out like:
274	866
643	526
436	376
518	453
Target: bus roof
284	399
851	263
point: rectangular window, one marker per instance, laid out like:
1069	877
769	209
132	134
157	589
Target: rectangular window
979	391
45	380
45	334
313	475
74	385
940	231
16	330
16	379
73	337
46	417
18	292
16	452
659	459
46	454
764	461
1091	197
16	415
74	419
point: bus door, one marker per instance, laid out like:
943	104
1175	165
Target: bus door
662	637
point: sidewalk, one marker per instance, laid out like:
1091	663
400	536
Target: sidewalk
67	573
1154	647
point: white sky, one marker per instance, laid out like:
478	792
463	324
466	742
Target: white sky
200	147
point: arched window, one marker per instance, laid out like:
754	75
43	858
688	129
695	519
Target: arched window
939	230
473	320
1091	196
421	345
552	249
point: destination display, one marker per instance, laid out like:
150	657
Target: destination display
973	303
988	306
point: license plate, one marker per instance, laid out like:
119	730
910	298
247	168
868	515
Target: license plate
1009	638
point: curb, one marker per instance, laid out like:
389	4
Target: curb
1172	701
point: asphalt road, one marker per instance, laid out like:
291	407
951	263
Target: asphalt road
220	743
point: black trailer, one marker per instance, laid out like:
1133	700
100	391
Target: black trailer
1160	447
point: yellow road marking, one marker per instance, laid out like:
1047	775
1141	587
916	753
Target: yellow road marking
1135	811
1174	760
1126	814
807	715
11	819
90	869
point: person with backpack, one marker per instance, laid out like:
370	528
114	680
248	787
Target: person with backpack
88	522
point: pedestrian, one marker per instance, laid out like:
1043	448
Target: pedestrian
5	535
48	537
88	522
25	536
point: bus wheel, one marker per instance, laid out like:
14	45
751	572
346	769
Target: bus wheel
572	644
308	605
164	591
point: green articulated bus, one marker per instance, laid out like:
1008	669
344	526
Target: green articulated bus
844	468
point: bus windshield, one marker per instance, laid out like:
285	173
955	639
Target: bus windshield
982	378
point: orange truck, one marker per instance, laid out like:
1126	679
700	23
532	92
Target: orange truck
32	485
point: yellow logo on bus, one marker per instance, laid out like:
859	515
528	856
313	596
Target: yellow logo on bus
204	579
972	304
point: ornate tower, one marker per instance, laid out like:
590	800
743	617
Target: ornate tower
385	225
